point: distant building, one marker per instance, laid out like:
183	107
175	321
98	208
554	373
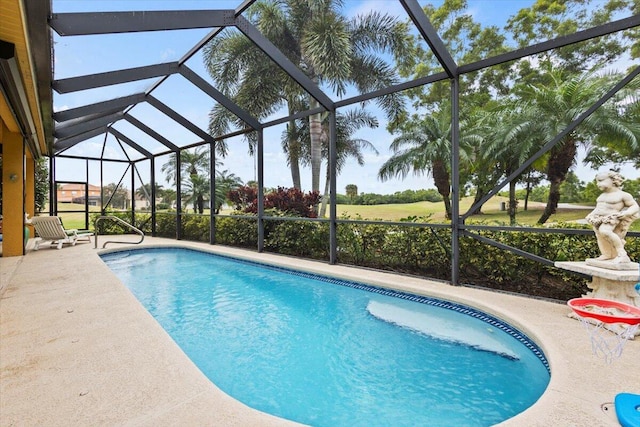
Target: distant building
75	193
143	203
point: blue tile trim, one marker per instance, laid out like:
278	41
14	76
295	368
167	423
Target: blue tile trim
460	308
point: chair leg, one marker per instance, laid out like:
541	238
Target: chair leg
37	246
59	244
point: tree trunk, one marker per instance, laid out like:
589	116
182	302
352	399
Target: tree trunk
559	164
294	154
513	202
479	195
441	180
315	133
325	196
200	203
483	186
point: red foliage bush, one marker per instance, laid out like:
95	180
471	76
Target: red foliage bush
288	200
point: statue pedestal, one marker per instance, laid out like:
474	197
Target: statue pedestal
606	283
608	265
617	285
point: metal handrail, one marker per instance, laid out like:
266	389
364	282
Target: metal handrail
120	221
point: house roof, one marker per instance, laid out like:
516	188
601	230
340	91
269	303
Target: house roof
78	187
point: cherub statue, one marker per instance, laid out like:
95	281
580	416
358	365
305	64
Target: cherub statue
614	212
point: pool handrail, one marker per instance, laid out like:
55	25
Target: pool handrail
120	221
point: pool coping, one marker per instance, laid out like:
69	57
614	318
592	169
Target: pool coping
56	369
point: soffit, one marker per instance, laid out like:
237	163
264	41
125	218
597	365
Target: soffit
12	30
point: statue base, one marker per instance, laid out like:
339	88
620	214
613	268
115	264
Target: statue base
616	285
612	265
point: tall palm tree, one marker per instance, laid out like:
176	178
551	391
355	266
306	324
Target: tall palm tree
194	162
511	139
561	100
347	146
194	175
196	189
330	49
424	146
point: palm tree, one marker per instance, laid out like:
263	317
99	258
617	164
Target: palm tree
192	162
346	145
144	191
351	191
561	100
194	167
196	189
225	182
511	139
424	146
330	49
612	151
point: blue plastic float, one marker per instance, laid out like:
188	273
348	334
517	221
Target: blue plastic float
628	409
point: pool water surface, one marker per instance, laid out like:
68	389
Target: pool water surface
327	352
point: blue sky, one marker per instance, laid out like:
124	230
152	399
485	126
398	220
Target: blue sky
76	56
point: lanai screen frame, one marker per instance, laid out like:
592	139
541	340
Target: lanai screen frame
84	122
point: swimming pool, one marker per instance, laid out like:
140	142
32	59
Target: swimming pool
297	346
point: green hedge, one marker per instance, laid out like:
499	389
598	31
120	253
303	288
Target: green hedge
419	251
166	225
298	238
195	227
238	232
142	222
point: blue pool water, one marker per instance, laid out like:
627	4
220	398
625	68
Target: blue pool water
305	348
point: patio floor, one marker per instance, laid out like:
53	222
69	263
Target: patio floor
76	348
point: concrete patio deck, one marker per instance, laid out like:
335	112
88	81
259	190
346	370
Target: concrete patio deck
77	348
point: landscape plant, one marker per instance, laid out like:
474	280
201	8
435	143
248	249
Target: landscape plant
331	49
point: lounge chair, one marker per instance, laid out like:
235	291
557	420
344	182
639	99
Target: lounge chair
50	229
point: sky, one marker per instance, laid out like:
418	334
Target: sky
82	55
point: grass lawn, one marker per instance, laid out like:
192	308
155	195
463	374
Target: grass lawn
491	212
74	219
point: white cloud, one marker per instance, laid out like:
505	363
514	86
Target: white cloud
168	54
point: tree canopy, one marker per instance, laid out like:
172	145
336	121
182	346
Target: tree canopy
509	112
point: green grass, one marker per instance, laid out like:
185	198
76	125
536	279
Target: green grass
491	212
74	219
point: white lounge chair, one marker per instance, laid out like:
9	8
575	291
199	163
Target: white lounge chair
50	229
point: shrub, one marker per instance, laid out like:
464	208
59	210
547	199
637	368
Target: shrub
195	228
298	238
242	232
166	225
142	221
286	200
